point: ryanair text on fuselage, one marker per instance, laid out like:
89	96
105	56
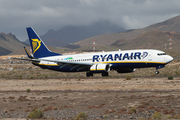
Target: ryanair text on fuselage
121	56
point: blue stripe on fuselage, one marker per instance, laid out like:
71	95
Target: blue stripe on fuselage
114	66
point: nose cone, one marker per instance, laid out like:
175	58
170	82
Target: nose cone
169	59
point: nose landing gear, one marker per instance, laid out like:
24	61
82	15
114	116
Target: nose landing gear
158	67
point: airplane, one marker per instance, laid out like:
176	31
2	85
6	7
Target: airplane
125	61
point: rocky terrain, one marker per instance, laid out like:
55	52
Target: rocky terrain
25	88
138	98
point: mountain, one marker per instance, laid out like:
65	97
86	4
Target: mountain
151	37
151	40
172	24
109	39
72	34
148	37
9	44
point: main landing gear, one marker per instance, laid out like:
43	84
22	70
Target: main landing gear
88	74
104	74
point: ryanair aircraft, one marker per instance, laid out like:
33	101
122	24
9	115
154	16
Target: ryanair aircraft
122	61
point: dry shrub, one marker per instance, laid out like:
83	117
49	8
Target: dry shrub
28	90
128	77
176	117
132	110
168	116
157	115
81	116
170	78
35	114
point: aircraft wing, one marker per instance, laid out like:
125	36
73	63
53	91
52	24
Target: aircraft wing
56	61
65	62
73	65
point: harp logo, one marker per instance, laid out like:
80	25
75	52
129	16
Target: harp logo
36	44
144	54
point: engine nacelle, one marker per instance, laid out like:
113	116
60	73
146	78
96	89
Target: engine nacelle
100	68
125	70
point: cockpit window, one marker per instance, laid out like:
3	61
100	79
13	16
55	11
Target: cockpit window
161	54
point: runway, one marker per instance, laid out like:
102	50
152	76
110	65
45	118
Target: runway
107	84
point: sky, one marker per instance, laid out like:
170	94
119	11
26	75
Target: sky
42	15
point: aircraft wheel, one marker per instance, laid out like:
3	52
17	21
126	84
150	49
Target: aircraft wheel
91	74
88	74
157	72
104	74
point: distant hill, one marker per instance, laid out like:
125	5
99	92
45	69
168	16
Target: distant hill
151	40
9	44
151	37
147	37
172	24
72	34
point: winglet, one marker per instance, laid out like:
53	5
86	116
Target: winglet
28	54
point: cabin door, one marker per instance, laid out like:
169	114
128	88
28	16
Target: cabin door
150	56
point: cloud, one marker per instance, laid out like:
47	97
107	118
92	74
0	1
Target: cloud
43	15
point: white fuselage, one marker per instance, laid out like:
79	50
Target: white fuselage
117	59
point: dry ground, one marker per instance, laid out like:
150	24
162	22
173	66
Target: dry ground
99	98
92	84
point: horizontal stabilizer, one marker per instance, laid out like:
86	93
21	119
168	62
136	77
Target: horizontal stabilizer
33	60
28	54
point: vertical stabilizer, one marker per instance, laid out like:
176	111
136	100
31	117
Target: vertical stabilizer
39	49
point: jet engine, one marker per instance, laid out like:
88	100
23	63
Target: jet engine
100	68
